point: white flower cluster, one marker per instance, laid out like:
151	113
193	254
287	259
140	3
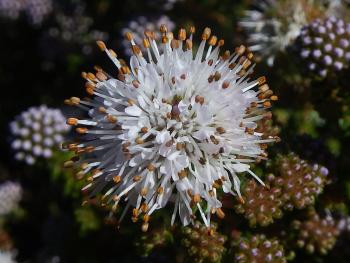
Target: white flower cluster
274	25
76	28
37	132
10	195
176	125
7	257
141	23
36	10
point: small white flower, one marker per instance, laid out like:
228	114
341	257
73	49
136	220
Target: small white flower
36	131
274	25
177	125
10	195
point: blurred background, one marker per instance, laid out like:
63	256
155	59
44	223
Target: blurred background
303	49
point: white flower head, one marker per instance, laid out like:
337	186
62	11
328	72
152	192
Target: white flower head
7	256
36	132
274	25
10	195
176	125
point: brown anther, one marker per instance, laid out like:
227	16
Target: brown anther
90	91
240	50
146	218
182	174
72	121
266	94
246	64
199	99
84	166
131	102
216	185
180	146
160	190
267	104
274	98
214	140
213	40
75	100
225	84
163	29
68	102
125	70
135	83
250	55
264	88
101	76
136	50
101	45
241	200
128	36
144	227
253	104
146	43
144	191
117	178
144	129
72	146
210	62
90	149
79	175
192	29
111	118
151	167
232	65
84	75
81	130
182	34
189	44
221	42
220	213
220	130
183	76
68	164
91	76
102	109
210	78
144	207
261	80
165	39
217	76
226	55
135	212
139	140
196	198
211	192
136	178
175	44
249	130
206	33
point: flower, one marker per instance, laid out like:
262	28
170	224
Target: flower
11	8
203	244
274	25
258	248
317	234
261	205
174	126
325	46
74	27
10	195
36	10
37	132
141	23
300	182
7	257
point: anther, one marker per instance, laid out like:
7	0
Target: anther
101	45
72	121
206	33
182	34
